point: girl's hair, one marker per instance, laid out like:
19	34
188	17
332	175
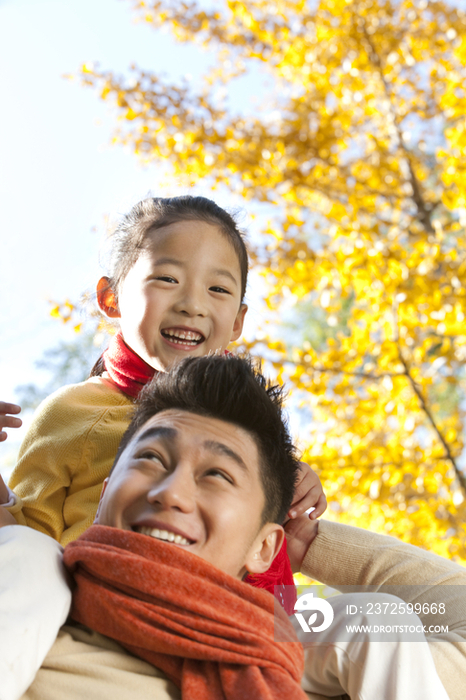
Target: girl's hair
132	236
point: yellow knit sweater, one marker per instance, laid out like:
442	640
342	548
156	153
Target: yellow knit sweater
66	455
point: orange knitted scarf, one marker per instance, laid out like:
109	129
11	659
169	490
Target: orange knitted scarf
210	633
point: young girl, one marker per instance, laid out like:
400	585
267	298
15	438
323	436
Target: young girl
177	283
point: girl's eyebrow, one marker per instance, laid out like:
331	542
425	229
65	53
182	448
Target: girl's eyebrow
226	273
167	261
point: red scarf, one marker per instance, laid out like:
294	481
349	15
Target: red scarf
130	373
211	634
278	580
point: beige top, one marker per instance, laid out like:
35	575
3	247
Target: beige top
84	665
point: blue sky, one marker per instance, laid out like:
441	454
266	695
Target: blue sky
59	176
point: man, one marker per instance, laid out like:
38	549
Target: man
200	486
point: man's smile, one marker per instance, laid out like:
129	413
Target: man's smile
164	535
161	531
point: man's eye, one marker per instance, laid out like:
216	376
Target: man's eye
220	290
221	474
150	456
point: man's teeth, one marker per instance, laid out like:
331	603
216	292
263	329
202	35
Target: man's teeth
183	337
163	535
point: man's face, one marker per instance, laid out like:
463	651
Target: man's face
194	482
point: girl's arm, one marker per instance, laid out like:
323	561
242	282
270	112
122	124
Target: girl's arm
66	455
42	474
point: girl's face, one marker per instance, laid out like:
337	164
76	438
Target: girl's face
182	296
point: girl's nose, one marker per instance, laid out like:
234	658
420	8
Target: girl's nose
175	491
191	302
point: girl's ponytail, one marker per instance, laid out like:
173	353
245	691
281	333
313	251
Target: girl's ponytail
99	368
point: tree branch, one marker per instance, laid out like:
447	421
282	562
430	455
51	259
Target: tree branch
423	403
364	375
423	210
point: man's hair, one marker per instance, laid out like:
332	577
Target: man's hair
231	389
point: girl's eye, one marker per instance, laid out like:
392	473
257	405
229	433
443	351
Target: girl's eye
221	290
167	278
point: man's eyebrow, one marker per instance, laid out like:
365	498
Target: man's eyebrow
222	449
161	431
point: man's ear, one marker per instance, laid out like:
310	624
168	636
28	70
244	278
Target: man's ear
104	486
238	324
265	548
106	298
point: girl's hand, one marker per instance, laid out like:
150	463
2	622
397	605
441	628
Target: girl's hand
299	535
6	517
8	421
4	495
308	493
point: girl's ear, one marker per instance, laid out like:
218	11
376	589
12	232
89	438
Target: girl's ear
238	324
106	298
265	548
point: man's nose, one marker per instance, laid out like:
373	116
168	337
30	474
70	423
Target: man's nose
175	491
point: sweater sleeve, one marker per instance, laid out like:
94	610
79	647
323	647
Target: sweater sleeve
342	555
66	455
34	603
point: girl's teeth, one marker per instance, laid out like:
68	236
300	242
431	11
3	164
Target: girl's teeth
183	337
181	342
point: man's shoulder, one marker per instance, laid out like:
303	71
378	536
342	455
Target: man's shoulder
81	662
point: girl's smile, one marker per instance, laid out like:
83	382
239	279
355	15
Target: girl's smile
187	337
